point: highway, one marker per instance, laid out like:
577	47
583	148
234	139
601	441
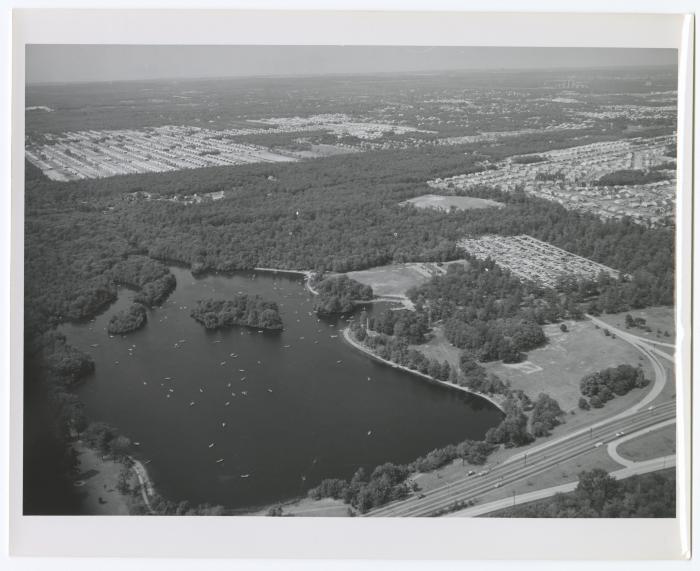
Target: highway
640	416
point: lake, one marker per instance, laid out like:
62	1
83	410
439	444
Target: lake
283	410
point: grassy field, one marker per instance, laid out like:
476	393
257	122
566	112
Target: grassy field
661	442
557	367
658	319
396	279
440	348
447	202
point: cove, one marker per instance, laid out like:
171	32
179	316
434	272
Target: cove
244	418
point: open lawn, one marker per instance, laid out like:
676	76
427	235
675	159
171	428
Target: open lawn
447	202
557	368
396	279
661	442
659	319
440	348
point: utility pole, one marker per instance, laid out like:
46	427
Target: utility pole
513	498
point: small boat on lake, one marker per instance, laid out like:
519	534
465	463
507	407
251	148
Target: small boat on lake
192	403
245	475
219	460
211	445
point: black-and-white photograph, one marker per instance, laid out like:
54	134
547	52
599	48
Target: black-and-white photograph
324	281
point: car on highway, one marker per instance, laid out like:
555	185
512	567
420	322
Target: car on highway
651	407
421	496
483	473
598	444
471	473
497	485
618	434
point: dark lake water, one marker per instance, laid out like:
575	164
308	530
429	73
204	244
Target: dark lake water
286	409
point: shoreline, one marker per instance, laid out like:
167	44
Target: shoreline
306	273
350	340
145	482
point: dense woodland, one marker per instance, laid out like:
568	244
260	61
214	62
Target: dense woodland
599	494
244	310
337	213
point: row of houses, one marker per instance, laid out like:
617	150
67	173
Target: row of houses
532	259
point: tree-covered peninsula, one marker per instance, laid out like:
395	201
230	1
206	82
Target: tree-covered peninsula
127	320
340	294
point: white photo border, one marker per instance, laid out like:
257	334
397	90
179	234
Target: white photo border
346	538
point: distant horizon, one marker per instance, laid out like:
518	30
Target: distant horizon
350	74
86	64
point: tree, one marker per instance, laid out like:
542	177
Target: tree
563	328
596	487
275	511
120	446
98	435
546	414
583	404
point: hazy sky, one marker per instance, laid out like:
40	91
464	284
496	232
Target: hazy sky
69	63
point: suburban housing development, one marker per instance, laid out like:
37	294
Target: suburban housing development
573	177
